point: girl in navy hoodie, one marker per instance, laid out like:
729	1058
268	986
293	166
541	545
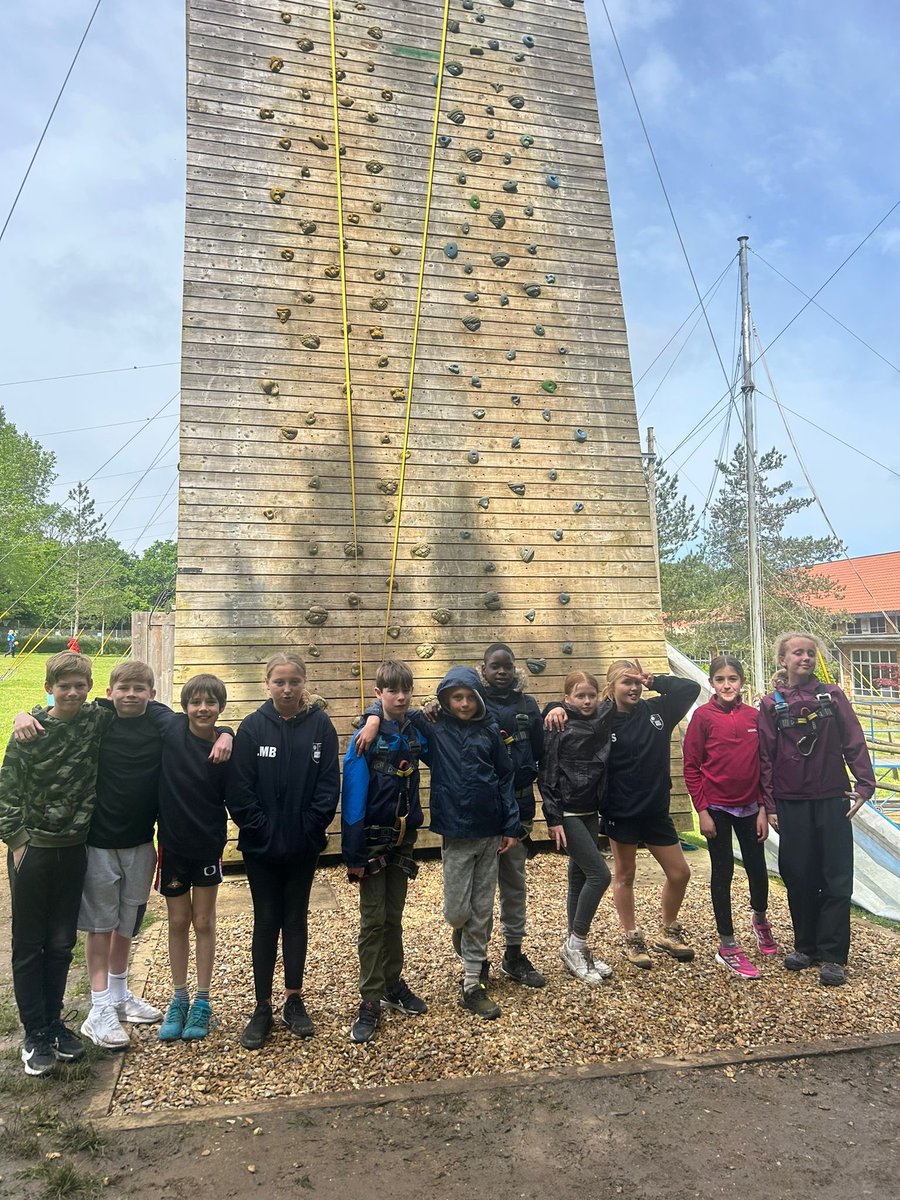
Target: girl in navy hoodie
721	770
282	794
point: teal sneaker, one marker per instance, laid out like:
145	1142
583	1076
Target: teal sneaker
173	1022
198	1019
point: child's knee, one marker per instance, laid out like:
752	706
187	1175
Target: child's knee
204	922
680	875
624	877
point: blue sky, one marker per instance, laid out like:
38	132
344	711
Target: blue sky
773	120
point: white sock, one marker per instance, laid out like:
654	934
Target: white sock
118	986
471	979
98	999
577	943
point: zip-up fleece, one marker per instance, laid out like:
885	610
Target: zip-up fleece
639	778
525	754
472	793
784	772
369	798
721	756
284	782
573	769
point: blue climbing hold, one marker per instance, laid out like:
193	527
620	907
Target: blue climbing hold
577	507
472	456
553	181
451	250
528	40
580	435
510	355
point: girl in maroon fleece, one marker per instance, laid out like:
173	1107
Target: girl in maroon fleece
721	770
808	737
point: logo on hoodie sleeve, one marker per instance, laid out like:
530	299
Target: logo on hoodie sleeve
317	752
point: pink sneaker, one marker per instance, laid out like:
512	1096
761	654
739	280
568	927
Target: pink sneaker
737	961
762	931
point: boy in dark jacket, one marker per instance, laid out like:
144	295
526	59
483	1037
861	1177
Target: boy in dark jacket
473	808
381	815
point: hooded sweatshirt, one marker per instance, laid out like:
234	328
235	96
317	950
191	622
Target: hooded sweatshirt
284	782
573	770
721	756
786	774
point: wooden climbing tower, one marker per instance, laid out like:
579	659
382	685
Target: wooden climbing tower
408	424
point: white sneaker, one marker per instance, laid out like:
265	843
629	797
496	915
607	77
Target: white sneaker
580	963
103	1028
136	1011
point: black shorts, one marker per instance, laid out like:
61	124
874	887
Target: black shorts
654	829
176	874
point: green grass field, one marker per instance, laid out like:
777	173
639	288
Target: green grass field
22	685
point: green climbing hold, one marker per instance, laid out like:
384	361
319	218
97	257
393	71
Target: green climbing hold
549	386
474	202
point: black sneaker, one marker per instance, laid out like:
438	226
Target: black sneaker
363	1028
258	1028
296	1018
477	1001
832	974
798	961
37	1054
63	1042
516	966
400	997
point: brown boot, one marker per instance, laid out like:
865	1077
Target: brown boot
671	941
636	950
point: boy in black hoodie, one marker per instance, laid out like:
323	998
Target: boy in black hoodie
282	794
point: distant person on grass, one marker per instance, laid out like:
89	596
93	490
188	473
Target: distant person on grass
10	644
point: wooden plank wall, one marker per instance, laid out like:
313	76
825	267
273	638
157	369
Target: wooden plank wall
523	467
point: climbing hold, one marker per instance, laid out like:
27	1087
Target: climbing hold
378	303
479	17
275	63
444	141
284	143
492	601
504	299
374	167
454	368
457	116
532	249
372	118
316	615
464	534
472	297
549	386
476	51
484	503
517	488
306	44
528	40
451	250
517	101
354	601
562	350
270	387
421	550
577	507
489	134
453	26
383	362
474	155
557	535
478	414
467	269
395	249
564	597
354	670
517	400
319	141
468	5
308	227
305	173
489	567
529	210
387	94
340	76
286	17
552	181
277	194
454	68
353	218
475	381
379	274
376	333
546	414
313	651
288	432
526	140
516	442
510	186
287	255
510	356
539	330
518	58
499	259
507	3
385	439
344	101
532	289
553	474
497	219
489	109
282	314
442	616
393	632
353	550
375	32
472	456
398	393
307	95
550	278
461	177
387	486
472	324
474	202
493	44
507	159
567	647
536	665
310	419
267	114
312	548
580	435
526	553
530	615
311	342
376	207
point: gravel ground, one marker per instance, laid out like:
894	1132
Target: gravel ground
675	1009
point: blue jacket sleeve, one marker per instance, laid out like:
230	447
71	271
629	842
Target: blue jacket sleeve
535	729
354	794
512	824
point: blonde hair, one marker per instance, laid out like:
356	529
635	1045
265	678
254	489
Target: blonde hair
779	678
67	663
573	679
615	672
133	671
286	658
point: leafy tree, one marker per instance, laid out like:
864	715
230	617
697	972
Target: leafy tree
153	576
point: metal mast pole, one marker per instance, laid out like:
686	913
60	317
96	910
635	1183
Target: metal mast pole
747	390
650	458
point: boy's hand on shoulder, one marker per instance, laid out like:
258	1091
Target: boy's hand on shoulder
221	751
26	728
364	740
431	708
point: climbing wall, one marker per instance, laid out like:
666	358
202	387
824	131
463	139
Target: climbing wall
459	278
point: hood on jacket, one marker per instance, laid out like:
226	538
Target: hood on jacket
268	710
458	677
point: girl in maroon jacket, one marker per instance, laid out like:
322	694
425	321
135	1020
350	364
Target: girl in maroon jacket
721	770
808	737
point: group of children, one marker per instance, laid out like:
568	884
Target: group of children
83	785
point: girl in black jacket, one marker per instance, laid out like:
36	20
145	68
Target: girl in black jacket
282	794
572	778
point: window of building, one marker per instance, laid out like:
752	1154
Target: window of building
877	625
855	626
875	673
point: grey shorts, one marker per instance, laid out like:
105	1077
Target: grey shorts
116	888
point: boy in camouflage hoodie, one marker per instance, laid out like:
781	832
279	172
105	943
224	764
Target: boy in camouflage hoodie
47	793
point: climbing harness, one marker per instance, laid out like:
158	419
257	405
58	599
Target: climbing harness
807	716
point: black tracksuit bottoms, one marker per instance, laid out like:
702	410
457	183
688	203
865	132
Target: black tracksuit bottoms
280	888
721	861
815	859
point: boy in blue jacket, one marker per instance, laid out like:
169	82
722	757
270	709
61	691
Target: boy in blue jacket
381	815
473	808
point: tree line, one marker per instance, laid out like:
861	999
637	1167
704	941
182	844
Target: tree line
58	564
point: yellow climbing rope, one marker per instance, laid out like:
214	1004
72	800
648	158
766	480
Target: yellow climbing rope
823	667
415	333
346	329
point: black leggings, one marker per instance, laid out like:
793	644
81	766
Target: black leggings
280	889
721	859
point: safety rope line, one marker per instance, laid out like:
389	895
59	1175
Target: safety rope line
415	334
346	328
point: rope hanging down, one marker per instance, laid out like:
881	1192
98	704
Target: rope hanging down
415	334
